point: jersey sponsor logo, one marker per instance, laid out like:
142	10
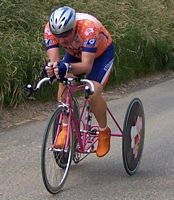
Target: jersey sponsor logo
90	43
106	68
47	31
48	42
89	31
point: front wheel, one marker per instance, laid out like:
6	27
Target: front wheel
55	163
133	136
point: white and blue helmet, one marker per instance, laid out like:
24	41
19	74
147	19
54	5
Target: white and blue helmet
62	20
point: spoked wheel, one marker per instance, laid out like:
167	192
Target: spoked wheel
133	136
55	163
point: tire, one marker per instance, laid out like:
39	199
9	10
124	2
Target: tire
133	136
76	155
55	165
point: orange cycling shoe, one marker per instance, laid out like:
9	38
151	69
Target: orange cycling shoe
61	138
103	142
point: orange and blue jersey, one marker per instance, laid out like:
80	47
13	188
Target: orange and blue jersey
90	36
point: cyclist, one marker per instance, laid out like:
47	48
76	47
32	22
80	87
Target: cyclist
89	50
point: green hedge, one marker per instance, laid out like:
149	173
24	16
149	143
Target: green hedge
142	30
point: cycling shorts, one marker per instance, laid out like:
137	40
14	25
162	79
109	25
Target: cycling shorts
102	65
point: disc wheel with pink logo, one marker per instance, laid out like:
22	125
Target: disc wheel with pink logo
133	136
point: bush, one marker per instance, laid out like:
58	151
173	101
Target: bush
21	50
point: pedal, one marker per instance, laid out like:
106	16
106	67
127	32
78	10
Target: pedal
57	150
94	132
93	151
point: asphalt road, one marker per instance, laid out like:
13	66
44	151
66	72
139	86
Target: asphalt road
94	178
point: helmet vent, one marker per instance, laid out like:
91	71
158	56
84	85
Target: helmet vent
63	19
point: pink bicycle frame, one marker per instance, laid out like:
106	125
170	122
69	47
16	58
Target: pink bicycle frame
85	139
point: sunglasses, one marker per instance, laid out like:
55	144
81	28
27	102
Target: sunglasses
64	35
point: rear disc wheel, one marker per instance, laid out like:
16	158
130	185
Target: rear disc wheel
133	136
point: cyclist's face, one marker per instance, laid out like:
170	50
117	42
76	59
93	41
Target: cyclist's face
67	39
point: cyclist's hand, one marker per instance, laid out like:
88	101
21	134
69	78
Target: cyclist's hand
56	70
63	69
49	69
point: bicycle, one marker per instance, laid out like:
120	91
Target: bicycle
82	134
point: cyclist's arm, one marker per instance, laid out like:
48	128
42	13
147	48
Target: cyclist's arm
53	54
88	54
85	66
51	45
53	57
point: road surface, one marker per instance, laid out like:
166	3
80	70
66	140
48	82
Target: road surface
94	178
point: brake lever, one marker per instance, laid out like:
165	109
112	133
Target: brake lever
28	90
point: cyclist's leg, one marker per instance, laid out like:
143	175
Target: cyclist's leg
99	108
98	105
99	75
